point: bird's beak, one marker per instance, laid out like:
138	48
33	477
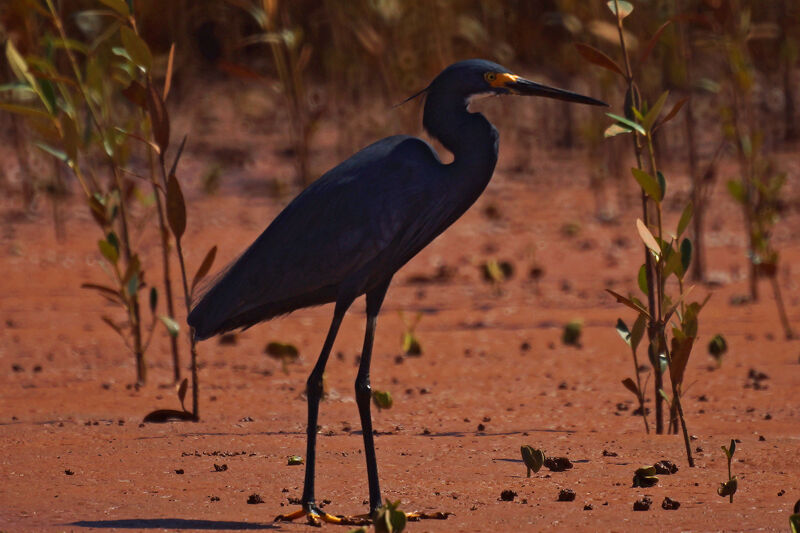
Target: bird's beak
519	85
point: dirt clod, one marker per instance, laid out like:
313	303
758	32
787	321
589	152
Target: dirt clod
508	495
566	495
254	499
588	507
669	504
558	464
665	467
642	504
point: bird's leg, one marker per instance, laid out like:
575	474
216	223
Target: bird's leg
314	393
364	395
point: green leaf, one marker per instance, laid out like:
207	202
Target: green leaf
205	266
614	130
652	114
109	251
182	388
70	137
625	8
595	56
736	190
159	118
114	240
137	49
686	253
629	302
681	349
120	6
638	331
629	384
47	94
21	70
664	395
153	299
732	449
648	238
533	458
648	183
642	278
728	488
107	292
133	284
686	217
794	522
674	111
627	123
172	326
25	111
176	208
662	183
382	399
58	154
295	460
623	331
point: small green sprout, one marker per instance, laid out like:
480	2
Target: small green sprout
389	519
794	519
295	460
411	345
284	352
645	477
717	347
496	271
533	458
728	488
382	399
572	332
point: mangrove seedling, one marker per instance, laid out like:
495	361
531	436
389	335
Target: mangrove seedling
794	519
382	399
645	477
728	488
572	333
284	352
410	343
165	415
389	519
533	458
717	347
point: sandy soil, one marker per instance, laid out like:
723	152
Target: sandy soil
494	375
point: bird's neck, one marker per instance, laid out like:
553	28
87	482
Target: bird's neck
469	136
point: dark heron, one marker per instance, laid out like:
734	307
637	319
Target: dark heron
352	229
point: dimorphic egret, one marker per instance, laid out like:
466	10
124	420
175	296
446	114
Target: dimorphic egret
352	229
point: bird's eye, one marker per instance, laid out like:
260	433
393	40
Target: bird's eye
490	76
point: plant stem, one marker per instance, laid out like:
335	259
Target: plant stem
162	227
641	392
188	302
652	328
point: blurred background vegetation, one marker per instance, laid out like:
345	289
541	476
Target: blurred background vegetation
272	93
291	66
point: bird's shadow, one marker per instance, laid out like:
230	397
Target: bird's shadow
173	523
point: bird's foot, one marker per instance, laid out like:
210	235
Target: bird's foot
314	516
418	515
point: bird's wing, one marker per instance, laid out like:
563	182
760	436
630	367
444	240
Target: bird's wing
375	205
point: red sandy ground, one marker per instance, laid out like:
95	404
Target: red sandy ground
68	405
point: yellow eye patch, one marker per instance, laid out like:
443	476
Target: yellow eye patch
499	79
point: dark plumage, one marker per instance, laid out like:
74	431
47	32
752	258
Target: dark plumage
352	229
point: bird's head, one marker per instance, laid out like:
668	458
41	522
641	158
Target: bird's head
479	76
